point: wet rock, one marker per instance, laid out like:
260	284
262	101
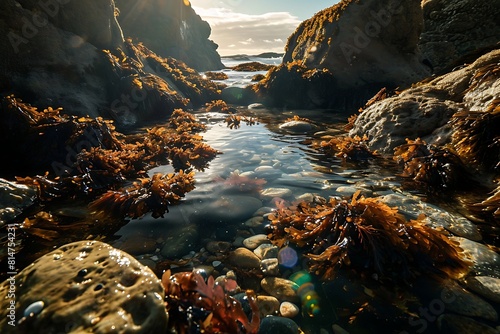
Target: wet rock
84	39
180	242
13	199
424	111
298	127
411	207
218	247
488	287
280	288
267	172
276	192
270	267
456	324
466	303
255	241
485	260
137	245
267	305
90	287
266	251
226	210
254	221
454	30
278	325
170	29
348	191
289	310
243	258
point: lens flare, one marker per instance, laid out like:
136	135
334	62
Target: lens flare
287	257
307	293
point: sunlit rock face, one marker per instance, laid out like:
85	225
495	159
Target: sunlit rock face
171	29
363	42
425	110
454	31
86	286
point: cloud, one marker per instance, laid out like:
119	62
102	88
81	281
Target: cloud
250	34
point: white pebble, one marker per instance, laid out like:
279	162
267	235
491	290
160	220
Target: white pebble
289	310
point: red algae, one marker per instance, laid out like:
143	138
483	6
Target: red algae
198	306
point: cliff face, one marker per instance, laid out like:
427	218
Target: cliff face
455	30
363	41
71	54
170	29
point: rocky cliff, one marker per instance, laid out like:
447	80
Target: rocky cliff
364	41
73	55
365	44
171	29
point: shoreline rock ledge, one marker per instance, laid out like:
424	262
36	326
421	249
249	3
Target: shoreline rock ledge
85	286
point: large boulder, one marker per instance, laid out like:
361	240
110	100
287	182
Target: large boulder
86	286
425	110
454	31
171	28
365	44
362	42
73	56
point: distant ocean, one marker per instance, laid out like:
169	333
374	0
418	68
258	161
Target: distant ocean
242	79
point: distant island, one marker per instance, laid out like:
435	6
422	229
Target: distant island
261	55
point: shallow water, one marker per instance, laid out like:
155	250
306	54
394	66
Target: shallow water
230	203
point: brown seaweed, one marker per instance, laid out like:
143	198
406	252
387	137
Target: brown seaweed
476	137
369	237
196	306
347	148
430	167
150	195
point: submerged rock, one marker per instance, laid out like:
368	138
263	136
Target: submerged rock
13	199
86	286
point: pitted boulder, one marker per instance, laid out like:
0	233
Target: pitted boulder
86	286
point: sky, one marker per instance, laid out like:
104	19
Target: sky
255	26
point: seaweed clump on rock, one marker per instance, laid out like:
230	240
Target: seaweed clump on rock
196	306
295	86
476	137
369	237
347	148
431	167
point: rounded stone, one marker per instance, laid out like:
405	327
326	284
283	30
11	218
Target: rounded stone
266	251
278	325
137	245
268	305
276	192
227	210
115	291
255	241
280	288
298	127
180	242
289	310
270	267
243	258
